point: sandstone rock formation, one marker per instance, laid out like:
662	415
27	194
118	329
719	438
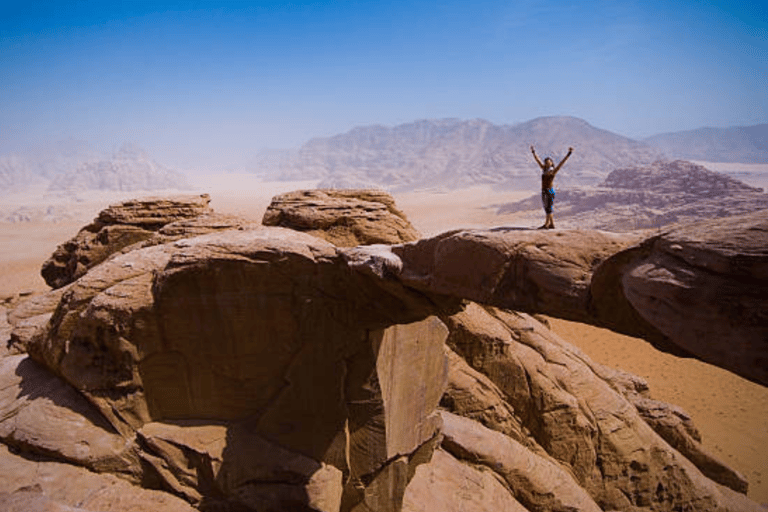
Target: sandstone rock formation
344	217
151	220
697	288
702	286
259	368
38	485
650	197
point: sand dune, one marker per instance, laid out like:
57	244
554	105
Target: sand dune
731	413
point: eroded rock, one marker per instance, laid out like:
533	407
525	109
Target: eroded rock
343	217
115	228
32	485
580	419
41	414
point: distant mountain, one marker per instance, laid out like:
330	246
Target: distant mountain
14	170
42	162
649	197
741	144
128	169
454	153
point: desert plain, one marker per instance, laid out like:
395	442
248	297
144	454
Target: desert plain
730	412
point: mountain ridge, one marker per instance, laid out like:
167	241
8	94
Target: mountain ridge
454	153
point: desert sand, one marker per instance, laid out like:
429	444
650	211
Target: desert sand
730	412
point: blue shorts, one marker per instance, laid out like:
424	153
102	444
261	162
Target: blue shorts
548	199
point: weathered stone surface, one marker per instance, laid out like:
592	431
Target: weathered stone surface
30	318
703	286
529	270
391	414
56	487
323	370
579	419
473	395
674	425
5	331
210	463
115	228
697	289
265	369
537	483
39	413
343	217
447	485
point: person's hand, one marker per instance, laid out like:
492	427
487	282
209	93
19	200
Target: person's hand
570	149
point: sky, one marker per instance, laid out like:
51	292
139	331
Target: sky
207	84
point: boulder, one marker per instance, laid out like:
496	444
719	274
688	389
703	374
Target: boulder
343	217
674	425
29	318
33	485
269	327
521	269
260	368
702	286
473	395
41	414
115	228
448	485
580	419
536	482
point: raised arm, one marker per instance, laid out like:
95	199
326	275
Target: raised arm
557	168
538	160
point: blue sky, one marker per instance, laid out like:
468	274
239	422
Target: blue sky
210	82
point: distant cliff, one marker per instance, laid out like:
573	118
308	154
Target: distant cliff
454	153
743	144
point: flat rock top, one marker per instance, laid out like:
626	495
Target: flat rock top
156	210
345	217
676	177
732	245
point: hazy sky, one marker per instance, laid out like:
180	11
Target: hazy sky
211	81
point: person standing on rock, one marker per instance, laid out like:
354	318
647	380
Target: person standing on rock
548	171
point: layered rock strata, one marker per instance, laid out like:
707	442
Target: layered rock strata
344	217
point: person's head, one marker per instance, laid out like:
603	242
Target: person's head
548	161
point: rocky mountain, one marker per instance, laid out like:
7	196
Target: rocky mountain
43	162
14	171
744	144
650	197
258	368
455	153
130	168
